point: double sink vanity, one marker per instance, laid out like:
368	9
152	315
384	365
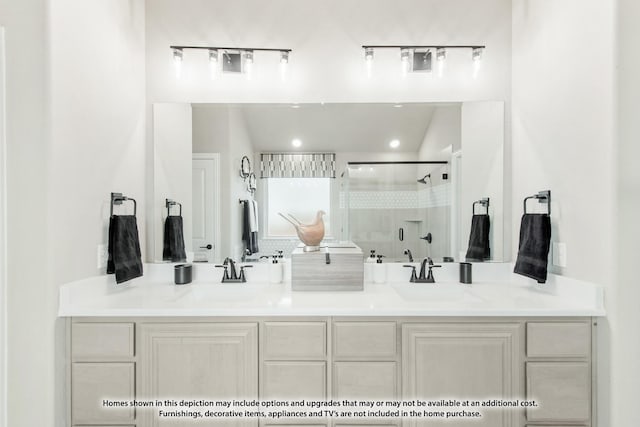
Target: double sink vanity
501	337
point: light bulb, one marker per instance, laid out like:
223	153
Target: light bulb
476	57
404	60
441	56
177	62
394	143
213	63
296	143
248	64
368	59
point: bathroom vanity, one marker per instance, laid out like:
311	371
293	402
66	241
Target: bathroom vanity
494	339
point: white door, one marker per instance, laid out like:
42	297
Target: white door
205	207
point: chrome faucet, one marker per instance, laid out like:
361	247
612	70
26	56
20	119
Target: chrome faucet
424	277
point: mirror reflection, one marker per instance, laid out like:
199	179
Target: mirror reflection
399	179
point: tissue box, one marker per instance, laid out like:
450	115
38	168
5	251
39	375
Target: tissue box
338	267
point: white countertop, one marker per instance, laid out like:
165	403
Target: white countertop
496	292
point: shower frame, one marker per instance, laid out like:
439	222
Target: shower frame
347	216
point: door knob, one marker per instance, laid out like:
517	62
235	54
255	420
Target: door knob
207	247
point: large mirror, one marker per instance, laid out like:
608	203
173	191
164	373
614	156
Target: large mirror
394	178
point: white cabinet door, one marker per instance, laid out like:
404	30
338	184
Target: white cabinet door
462	361
211	361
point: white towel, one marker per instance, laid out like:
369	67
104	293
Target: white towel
253	216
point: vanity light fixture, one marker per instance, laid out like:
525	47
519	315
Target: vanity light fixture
248	63
296	143
284	62
476	57
441	56
394	143
423	53
177	61
368	59
234	59
213	63
404	61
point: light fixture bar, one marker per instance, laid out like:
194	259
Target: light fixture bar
268	49
435	46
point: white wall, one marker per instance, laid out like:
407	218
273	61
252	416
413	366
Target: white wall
623	293
172	165
562	125
443	134
482	140
563	140
29	295
3	240
327	59
75	132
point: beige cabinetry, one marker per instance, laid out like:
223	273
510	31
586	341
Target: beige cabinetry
467	361
383	358
102	366
559	372
193	360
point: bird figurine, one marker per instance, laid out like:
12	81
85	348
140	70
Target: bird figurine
310	234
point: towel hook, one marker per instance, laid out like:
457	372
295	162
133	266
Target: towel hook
541	197
482	202
168	203
118	198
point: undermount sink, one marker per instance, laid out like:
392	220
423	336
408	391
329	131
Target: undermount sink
430	291
224	292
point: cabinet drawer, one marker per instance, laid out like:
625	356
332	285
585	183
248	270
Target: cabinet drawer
295	340
93	382
294	380
99	340
558	339
364	340
365	380
562	390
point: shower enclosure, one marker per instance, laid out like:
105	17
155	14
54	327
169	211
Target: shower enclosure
398	207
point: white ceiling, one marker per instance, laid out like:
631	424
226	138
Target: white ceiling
337	127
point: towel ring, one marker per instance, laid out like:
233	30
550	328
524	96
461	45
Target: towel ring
482	202
245	167
542	197
118	198
169	203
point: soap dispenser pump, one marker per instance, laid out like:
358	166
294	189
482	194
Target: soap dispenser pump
379	270
368	266
275	270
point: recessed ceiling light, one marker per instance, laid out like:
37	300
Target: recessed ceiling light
394	144
296	143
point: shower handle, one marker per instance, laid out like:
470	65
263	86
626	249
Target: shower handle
428	238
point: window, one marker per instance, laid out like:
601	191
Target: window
300	197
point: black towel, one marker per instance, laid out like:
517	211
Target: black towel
533	251
249	237
479	238
124	248
173	244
